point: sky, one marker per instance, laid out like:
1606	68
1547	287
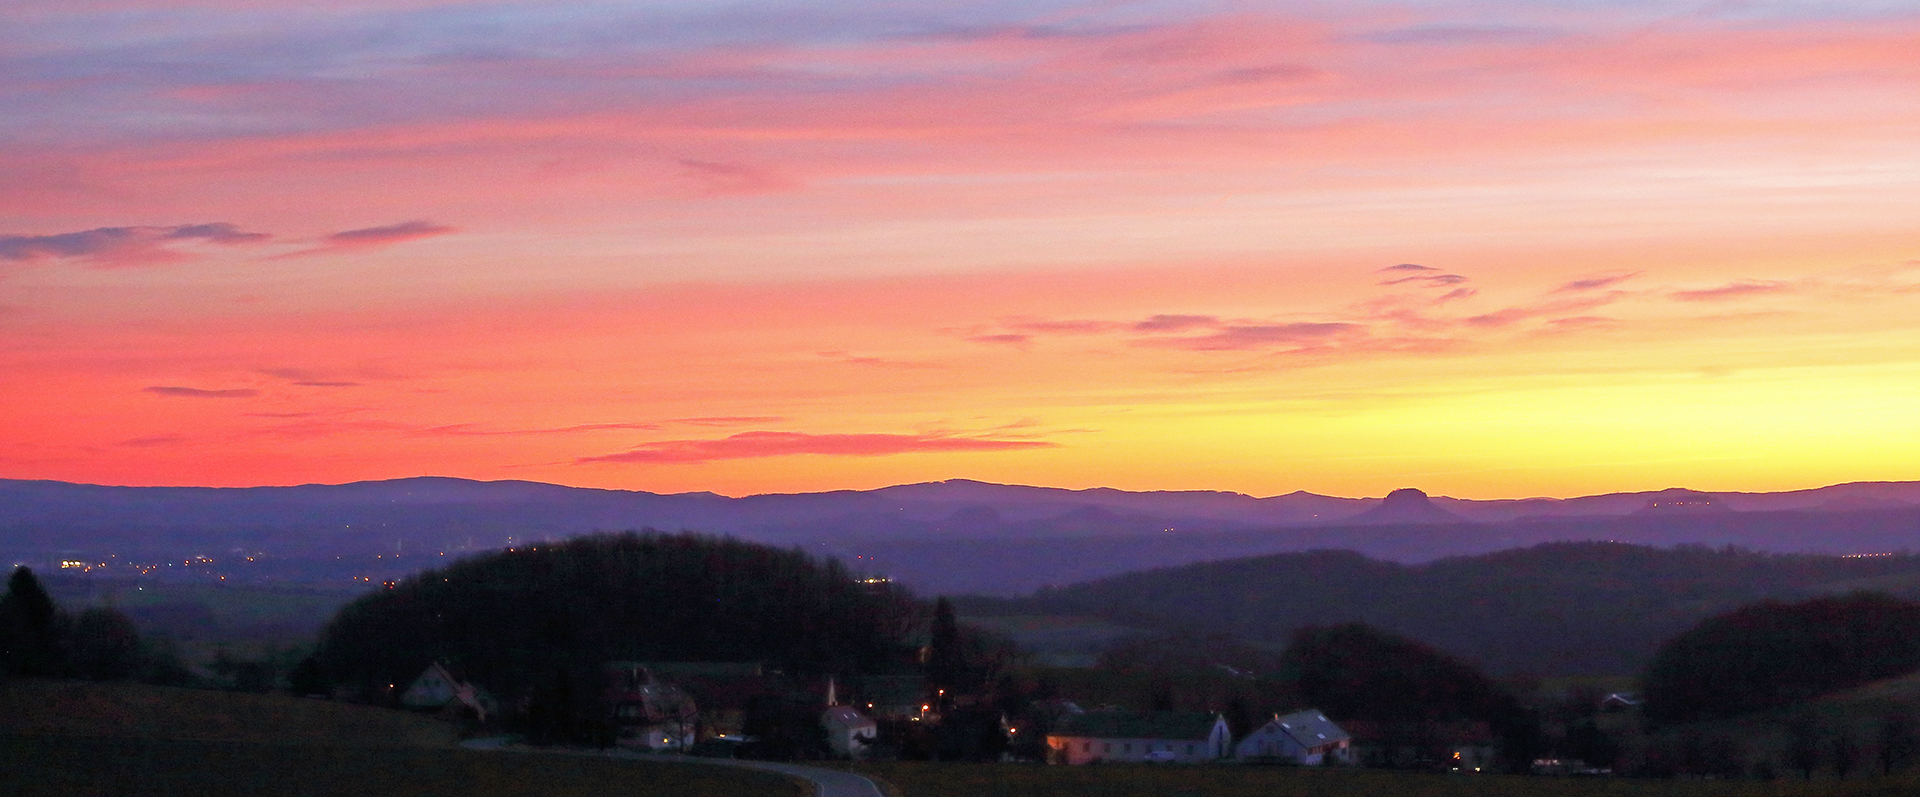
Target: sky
1487	248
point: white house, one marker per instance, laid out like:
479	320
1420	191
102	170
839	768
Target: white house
437	688
645	711
849	732
1114	735
1303	737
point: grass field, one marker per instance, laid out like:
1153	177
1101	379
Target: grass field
31	766
67	738
914	779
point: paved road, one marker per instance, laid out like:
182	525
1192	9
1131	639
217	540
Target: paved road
826	782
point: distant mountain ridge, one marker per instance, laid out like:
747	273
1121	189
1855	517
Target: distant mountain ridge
951	536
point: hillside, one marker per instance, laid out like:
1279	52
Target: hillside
67	738
79	708
1552	609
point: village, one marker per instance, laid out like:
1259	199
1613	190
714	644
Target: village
651	707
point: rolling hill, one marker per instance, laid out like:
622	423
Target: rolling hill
1592	608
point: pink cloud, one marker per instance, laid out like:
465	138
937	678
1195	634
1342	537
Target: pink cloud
1430	279
874	362
729	420
194	392
155	441
389	234
1071	327
375	237
121	246
1175	323
713	178
753	445
474	430
1242	337
1731	290
1509	316
1594	283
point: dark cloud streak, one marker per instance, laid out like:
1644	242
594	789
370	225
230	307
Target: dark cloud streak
755	445
1732	290
121	246
194	392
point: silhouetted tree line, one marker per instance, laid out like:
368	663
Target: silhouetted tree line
1357	672
534	624
1590	608
1773	654
40	640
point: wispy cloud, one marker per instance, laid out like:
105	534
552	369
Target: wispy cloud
1175	323
1594	283
374	237
1246	337
155	441
1430	279
752	445
874	362
714	178
729	420
194	392
475	430
1508	316
1732	290
122	246
1064	327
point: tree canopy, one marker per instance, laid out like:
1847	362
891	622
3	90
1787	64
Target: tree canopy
1355	671
1772	654
510	618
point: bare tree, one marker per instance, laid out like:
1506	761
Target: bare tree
1846	753
1803	745
1896	742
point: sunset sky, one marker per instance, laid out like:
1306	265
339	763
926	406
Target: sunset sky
1489	249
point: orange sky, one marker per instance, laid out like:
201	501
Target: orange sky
1484	249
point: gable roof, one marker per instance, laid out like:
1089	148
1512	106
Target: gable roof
1310	728
1113	724
845	715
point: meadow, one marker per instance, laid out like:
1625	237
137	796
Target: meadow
921	779
66	738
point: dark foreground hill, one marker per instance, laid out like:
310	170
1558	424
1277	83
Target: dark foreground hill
68	738
1562	608
544	616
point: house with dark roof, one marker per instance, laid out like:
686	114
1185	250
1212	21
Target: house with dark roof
1303	737
438	689
1116	735
644	711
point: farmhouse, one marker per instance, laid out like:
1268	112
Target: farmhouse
437	688
1303	737
849	733
645	712
1116	735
